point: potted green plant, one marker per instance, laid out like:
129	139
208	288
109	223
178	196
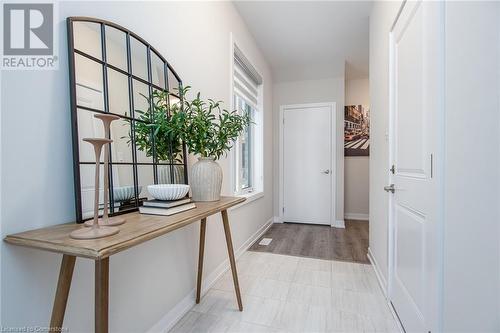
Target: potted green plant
156	126
209	132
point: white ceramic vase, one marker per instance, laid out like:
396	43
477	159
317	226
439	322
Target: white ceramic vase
206	179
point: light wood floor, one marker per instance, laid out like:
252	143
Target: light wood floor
318	241
293	294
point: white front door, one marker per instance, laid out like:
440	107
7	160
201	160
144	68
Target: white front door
416	86
307	163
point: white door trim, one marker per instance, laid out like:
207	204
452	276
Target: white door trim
390	222
333	109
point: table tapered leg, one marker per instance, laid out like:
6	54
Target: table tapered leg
101	295
203	226
232	260
62	292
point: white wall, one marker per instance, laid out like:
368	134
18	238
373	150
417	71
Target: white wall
356	168
472	162
312	91
381	19
37	190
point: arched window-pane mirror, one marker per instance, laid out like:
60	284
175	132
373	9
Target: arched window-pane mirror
113	70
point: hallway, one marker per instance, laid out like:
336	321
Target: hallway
343	134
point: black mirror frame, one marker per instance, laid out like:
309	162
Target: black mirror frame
74	109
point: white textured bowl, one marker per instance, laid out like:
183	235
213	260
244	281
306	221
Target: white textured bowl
124	193
168	191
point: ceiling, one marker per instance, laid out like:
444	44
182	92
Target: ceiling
305	40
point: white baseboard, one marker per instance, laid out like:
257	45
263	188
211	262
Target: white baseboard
168	321
277	219
245	246
339	224
383	286
381	279
356	216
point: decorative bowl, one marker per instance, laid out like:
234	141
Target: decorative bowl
168	191
124	193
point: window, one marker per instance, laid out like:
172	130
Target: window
244	148
247	157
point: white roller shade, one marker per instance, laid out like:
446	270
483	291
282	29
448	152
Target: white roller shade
246	79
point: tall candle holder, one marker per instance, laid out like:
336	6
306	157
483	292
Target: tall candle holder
96	231
107	119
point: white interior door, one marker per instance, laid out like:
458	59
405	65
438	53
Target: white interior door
416	85
307	163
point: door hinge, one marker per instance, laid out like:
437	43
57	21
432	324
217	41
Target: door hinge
283	120
283	209
393	169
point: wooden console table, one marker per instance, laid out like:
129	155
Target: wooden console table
138	229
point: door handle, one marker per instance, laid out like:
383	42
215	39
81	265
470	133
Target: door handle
390	188
326	172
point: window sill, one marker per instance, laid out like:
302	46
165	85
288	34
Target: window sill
250	197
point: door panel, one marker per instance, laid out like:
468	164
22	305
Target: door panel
410	238
414	140
307	155
410	124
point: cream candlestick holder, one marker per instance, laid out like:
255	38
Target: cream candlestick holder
96	231
107	119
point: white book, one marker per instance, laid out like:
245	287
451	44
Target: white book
166	211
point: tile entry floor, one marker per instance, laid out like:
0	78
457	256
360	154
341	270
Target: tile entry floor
293	294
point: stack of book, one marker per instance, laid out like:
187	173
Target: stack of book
166	208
